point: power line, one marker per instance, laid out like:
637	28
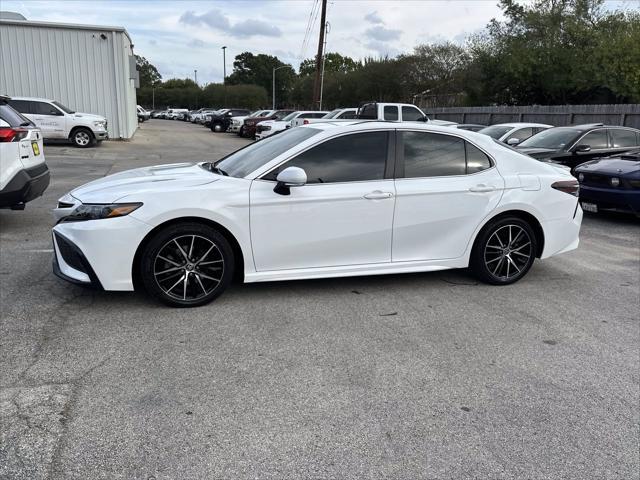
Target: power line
308	29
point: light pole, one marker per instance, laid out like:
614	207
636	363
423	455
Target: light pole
195	76
224	73
273	92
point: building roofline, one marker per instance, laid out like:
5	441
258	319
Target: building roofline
73	26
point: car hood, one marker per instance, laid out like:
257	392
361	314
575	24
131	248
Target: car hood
612	166
90	116
142	180
537	152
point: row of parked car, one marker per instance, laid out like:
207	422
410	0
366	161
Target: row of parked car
604	158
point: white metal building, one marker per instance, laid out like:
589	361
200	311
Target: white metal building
88	68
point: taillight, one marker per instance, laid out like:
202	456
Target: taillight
8	134
305	122
572	187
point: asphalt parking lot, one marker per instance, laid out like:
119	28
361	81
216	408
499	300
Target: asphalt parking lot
404	376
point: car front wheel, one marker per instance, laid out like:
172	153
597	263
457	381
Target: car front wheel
82	138
216	127
187	265
504	251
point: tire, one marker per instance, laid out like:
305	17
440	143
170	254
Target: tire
241	131
208	264
216	127
504	251
83	138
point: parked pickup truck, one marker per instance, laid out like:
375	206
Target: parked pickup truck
57	122
337	114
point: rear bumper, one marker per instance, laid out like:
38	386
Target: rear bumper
562	235
27	185
612	198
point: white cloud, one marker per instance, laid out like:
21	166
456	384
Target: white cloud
373	17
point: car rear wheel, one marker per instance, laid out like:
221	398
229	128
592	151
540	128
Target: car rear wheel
504	251
241	131
82	138
216	127
187	265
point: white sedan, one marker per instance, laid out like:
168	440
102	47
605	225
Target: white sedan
269	127
324	200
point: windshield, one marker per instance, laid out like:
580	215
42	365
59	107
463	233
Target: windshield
333	113
495	131
63	108
554	138
248	159
291	116
281	114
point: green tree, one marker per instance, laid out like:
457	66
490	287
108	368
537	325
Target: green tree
258	70
333	62
149	75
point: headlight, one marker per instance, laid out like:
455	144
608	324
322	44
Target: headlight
615	181
581	177
90	211
99	123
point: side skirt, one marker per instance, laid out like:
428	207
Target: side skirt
355	270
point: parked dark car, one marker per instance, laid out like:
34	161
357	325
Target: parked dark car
577	144
220	120
249	126
611	183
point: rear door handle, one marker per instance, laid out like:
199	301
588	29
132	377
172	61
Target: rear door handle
482	188
378	195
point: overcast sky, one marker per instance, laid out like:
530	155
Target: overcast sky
180	36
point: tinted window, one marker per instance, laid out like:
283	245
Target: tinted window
12	117
41	108
476	159
390	113
248	159
623	138
553	138
495	131
350	158
432	155
595	139
522	134
410	114
23	106
369	111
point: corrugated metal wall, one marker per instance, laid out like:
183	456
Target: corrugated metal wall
87	70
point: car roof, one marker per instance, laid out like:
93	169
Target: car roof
520	124
34	99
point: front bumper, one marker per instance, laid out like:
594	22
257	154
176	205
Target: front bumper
616	199
101	135
98	253
25	186
233	128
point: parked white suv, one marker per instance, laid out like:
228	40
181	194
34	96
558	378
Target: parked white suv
23	172
58	122
269	127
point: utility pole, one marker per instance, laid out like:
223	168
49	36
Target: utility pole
195	75
316	84
324	57
273	92
224	73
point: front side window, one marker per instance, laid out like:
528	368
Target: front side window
411	114
623	138
436	155
63	108
369	112
348	115
351	158
390	113
42	108
596	139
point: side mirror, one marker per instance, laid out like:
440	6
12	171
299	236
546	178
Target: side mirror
424	119
582	148
513	141
290	177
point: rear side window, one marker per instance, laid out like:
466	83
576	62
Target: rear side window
623	138
12	117
390	113
436	155
596	139
23	106
411	114
351	158
522	134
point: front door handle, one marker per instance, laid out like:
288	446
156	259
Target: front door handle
481	188
378	195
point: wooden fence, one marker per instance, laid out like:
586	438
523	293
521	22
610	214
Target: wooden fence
557	115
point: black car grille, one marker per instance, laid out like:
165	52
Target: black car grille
261	128
70	253
595	180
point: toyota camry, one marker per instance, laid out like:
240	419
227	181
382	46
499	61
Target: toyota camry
324	200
